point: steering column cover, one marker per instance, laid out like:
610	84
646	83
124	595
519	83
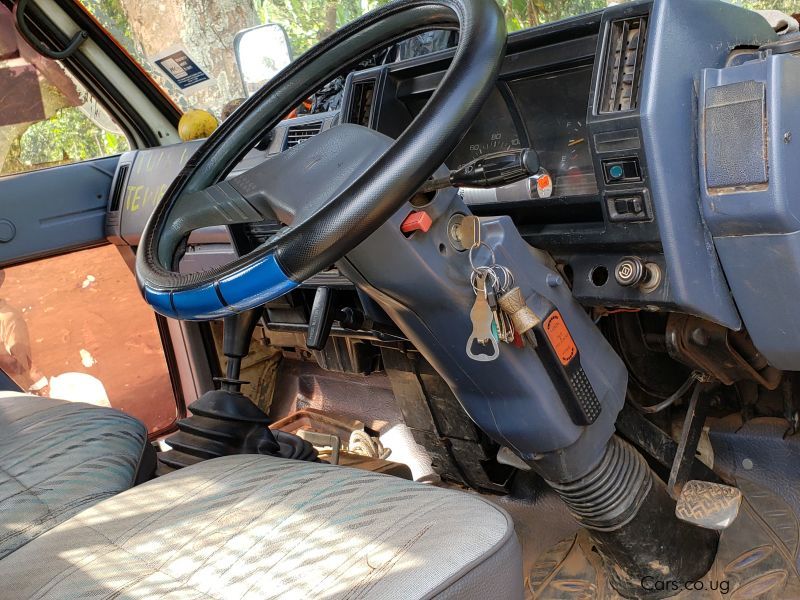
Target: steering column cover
354	213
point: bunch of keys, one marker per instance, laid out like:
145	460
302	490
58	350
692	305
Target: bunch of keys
499	313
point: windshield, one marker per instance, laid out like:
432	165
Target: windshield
194	42
152	31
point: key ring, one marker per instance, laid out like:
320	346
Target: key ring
508	277
492	277
487	272
478	245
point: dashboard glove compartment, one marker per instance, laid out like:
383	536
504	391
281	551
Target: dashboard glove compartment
749	136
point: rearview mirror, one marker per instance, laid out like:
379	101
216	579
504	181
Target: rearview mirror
261	52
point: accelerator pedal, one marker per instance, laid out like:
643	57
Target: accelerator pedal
708	505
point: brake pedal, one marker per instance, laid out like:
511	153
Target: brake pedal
708	505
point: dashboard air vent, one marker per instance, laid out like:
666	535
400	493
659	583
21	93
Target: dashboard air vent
119	188
362	95
259	233
623	65
300	133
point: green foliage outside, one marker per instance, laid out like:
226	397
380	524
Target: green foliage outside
308	21
66	137
78	139
521	14
69	135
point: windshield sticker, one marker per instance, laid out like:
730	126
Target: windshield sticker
182	70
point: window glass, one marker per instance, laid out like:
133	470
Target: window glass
46	117
76	327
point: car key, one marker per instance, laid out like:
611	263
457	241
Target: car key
502	280
499	330
470	231
505	326
482	319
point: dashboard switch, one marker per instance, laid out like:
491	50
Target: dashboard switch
416	221
622	170
626	206
631	207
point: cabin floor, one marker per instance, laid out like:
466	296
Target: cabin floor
758	553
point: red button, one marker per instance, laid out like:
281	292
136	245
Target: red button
416	221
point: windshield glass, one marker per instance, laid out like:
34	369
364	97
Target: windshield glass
152	31
189	47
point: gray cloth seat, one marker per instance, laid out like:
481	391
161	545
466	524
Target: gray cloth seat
251	526
58	458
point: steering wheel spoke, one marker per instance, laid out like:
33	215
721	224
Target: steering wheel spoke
219	204
300	182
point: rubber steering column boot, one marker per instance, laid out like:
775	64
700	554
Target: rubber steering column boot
630	517
225	421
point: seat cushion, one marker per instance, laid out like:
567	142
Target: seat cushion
260	527
58	458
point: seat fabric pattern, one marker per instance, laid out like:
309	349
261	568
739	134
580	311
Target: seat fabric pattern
58	458
259	527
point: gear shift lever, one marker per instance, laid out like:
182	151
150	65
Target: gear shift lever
237	331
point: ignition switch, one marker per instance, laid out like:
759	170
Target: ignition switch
631	271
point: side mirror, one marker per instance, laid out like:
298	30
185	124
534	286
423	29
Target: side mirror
261	52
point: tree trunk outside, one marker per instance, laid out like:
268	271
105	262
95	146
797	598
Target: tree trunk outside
206	28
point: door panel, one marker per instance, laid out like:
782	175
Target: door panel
54	210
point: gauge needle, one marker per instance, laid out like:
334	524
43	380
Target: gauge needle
576	142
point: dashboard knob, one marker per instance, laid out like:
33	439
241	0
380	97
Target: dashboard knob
630	271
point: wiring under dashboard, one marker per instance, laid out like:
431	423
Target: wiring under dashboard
693	379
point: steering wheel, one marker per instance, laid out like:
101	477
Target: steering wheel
333	190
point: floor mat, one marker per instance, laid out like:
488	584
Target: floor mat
763	460
755	559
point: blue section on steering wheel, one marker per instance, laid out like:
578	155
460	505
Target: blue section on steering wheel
248	288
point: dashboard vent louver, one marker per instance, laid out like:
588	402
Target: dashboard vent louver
259	233
362	95
300	133
119	187
623	65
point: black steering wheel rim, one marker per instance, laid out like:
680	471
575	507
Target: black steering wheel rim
300	251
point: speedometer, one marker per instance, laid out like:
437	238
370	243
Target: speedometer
497	141
492	131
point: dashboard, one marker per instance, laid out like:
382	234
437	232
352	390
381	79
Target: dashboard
608	102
